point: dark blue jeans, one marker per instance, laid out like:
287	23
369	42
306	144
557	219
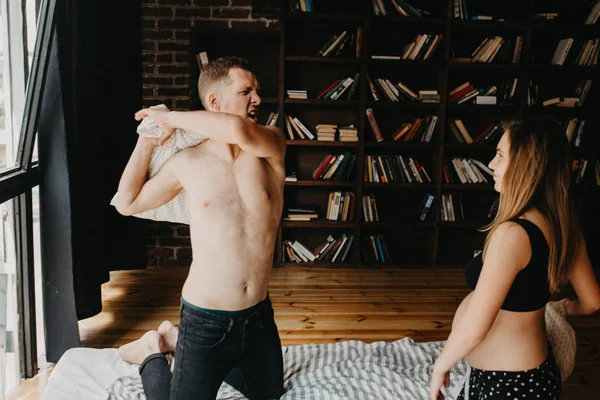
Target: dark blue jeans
243	351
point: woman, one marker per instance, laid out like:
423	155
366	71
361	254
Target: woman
533	246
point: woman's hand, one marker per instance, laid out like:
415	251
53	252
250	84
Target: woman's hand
438	378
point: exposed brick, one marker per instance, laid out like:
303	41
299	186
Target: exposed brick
183	231
211	2
159	229
173	69
183	252
148	68
237	3
170	262
148	58
181	81
148	23
148	45
175	2
164	58
157	34
153	80
231	13
164	23
148	2
174	242
183	58
173	92
158	11
165	252
248	24
212	24
183	35
147	92
173	46
192	12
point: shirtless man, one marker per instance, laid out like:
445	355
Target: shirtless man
234	182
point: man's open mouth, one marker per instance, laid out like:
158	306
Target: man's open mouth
252	116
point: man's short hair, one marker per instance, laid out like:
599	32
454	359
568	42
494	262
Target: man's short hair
216	72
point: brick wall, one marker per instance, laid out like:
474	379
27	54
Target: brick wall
166	26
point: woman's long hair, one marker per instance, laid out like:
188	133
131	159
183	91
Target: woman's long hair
539	176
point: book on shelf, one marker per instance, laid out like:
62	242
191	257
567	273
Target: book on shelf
342	44
335	167
291	177
394	169
426	206
376	250
338	87
592	17
582	53
547	16
429	96
452	207
341	206
459	131
301	213
393	92
332	250
297	94
201	59
466	170
374	126
398	7
348	133
597	172
272	119
422	48
578	169
370	210
505	93
300	5
460	10
493	208
326	132
295	127
421	129
497	49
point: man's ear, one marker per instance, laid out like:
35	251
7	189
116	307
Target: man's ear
213	102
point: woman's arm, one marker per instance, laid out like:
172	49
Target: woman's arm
585	284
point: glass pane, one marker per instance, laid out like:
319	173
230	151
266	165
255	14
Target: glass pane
9	345
6	145
37	261
31	20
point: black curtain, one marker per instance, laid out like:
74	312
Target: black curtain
86	134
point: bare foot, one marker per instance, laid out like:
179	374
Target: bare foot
169	334
136	352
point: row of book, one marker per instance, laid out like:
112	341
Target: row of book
331	133
332	250
504	94
335	167
403	8
592	17
369	206
340	206
466	170
399	91
346	85
419	130
346	40
458	132
583	53
499	50
421	48
376	250
394	169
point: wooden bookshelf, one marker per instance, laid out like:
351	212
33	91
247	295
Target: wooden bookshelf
285	58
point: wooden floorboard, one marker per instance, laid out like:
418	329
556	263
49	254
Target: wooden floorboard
323	306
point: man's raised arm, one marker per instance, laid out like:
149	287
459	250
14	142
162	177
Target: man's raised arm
136	193
261	141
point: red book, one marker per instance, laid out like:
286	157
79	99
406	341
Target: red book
374	126
324	92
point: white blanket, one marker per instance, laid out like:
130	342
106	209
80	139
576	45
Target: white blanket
345	370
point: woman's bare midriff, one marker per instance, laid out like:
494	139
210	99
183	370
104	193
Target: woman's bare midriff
516	342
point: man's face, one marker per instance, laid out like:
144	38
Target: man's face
240	97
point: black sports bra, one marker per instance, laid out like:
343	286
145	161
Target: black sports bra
530	290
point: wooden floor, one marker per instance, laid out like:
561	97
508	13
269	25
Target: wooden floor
323	306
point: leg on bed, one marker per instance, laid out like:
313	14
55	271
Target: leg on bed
156	377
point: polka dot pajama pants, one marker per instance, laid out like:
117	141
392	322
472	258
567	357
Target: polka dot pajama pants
541	383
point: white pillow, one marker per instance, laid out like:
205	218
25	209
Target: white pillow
561	336
177	209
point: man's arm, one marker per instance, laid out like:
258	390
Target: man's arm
136	194
260	141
